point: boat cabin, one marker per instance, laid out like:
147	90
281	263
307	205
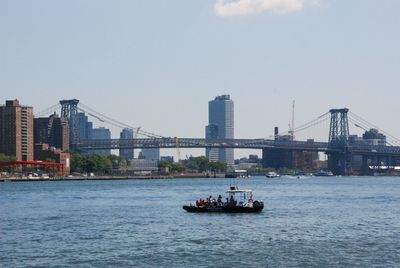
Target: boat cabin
240	197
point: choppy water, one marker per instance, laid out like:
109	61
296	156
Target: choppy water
319	222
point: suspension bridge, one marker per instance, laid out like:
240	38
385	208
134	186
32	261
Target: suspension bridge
340	147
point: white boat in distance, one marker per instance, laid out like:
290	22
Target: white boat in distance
323	173
272	175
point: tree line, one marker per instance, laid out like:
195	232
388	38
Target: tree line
93	163
88	163
104	164
194	164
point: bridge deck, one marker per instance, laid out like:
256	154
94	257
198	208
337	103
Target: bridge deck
234	143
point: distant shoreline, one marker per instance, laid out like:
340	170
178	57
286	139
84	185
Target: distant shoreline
108	178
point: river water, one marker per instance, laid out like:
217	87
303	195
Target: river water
317	222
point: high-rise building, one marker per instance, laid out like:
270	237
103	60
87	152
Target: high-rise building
53	131
85	130
220	126
16	130
85	127
101	134
127	134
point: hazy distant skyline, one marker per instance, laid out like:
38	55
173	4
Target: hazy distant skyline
156	64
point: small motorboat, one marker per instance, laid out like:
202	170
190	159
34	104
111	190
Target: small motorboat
272	175
238	201
323	173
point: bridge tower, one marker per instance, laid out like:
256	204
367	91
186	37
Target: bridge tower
69	111
339	161
339	128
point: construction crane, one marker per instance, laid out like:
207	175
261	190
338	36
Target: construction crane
291	125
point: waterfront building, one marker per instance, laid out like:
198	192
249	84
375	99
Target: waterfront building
16	130
52	130
151	154
127	134
44	152
299	160
277	158
101	133
280	158
142	165
220	126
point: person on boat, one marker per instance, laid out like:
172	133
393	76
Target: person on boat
200	203
232	202
214	202
208	201
219	200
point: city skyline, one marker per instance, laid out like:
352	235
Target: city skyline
156	74
129	127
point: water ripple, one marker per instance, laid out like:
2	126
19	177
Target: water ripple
340	222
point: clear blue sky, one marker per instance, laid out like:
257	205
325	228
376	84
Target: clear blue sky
156	64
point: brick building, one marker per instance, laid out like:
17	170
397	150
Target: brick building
44	152
16	130
52	130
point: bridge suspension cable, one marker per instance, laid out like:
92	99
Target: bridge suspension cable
313	123
49	110
367	125
319	120
116	123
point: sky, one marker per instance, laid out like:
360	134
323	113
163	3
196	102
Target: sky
156	64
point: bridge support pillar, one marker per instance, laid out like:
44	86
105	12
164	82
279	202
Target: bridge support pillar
340	163
365	170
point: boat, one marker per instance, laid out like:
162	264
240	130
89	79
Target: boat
272	175
240	174
45	176
238	201
323	173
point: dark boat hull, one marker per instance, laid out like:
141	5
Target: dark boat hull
224	209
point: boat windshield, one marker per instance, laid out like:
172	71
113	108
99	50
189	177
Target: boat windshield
240	195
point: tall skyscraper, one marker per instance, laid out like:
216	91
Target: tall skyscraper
127	154
16	130
101	133
220	126
53	131
85	127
